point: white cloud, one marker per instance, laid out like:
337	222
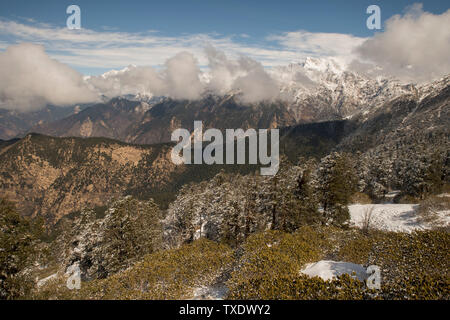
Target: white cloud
413	47
244	74
30	79
309	44
113	49
180	78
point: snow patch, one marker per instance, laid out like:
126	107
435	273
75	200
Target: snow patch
393	217
41	282
214	292
328	269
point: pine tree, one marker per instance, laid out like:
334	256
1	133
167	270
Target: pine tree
338	183
231	233
433	180
307	212
132	229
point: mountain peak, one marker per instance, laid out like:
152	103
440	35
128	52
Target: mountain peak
323	65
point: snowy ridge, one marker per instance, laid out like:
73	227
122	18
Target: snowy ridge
327	88
317	89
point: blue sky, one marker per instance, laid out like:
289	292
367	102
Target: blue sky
151	31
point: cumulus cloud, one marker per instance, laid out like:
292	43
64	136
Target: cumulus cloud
244	74
131	80
414	46
180	78
30	79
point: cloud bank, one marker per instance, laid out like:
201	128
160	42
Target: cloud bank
181	78
244	74
30	79
414	47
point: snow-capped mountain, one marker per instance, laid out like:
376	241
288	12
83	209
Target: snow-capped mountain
316	89
325	89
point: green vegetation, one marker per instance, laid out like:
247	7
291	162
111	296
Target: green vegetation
338	183
168	274
267	266
269	256
412	266
132	230
18	244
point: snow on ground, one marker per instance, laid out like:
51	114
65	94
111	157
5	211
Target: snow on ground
328	269
41	282
389	217
393	217
444	195
214	292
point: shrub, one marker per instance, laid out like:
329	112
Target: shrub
429	208
169	274
270	256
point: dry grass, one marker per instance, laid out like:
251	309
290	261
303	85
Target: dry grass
367	219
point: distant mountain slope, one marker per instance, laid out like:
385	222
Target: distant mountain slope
109	120
140	122
14	124
54	176
404	142
318	89
400	144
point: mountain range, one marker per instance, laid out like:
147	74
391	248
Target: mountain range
122	146
312	91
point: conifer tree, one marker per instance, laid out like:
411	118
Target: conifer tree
307	210
338	183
